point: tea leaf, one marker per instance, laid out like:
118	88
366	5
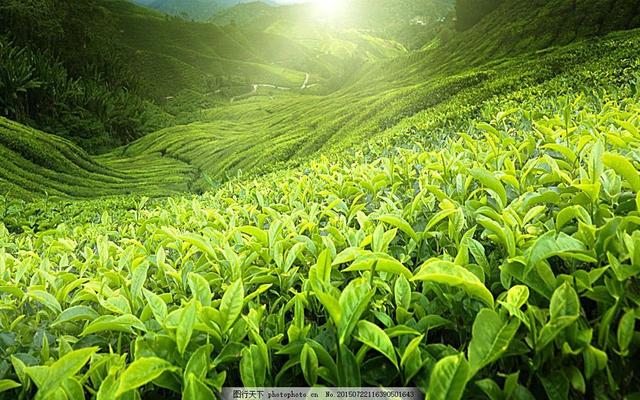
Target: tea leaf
449	378
447	273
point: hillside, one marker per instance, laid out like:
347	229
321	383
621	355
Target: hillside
410	22
516	27
175	55
459	216
433	276
134	70
199	10
38	164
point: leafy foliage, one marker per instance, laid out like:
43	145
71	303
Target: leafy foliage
509	270
483	244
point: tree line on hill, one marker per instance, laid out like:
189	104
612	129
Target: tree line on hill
61	72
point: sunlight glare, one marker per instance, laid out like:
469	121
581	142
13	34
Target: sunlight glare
329	8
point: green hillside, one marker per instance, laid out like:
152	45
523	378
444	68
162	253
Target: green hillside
132	70
410	22
37	164
343	211
176	54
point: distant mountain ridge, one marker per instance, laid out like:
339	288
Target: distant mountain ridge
202	10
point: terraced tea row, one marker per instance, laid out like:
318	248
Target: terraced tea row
37	164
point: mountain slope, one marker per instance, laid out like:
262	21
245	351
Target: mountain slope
264	134
199	10
411	22
277	126
36	163
173	55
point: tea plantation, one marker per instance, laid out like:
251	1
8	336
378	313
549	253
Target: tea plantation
471	229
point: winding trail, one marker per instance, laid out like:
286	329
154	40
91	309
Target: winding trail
306	80
256	86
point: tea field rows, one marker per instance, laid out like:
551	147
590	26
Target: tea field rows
504	267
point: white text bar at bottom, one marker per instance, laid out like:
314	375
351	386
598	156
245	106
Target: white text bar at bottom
318	393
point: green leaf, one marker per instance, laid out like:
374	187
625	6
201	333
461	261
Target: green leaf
196	389
354	300
491	182
257	233
199	242
449	378
348	368
231	305
20	368
411	348
46	299
383	262
64	368
491	336
185	326
138	277
332	306
345	256
157	305
624	168
8	384
402	292
490	389
629	126
252	367
309	364
141	372
72	389
76	313
568	213
324	266
401	224
373	336
447	273
108	387
555	385
518	295
576	379
504	234
198	364
439	217
122	323
626	331
564	310
292	255
200	289
564	302
594	360
549	245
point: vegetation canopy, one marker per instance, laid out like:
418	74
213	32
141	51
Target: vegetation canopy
429	193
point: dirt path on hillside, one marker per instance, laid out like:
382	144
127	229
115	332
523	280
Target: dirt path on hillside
256	86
